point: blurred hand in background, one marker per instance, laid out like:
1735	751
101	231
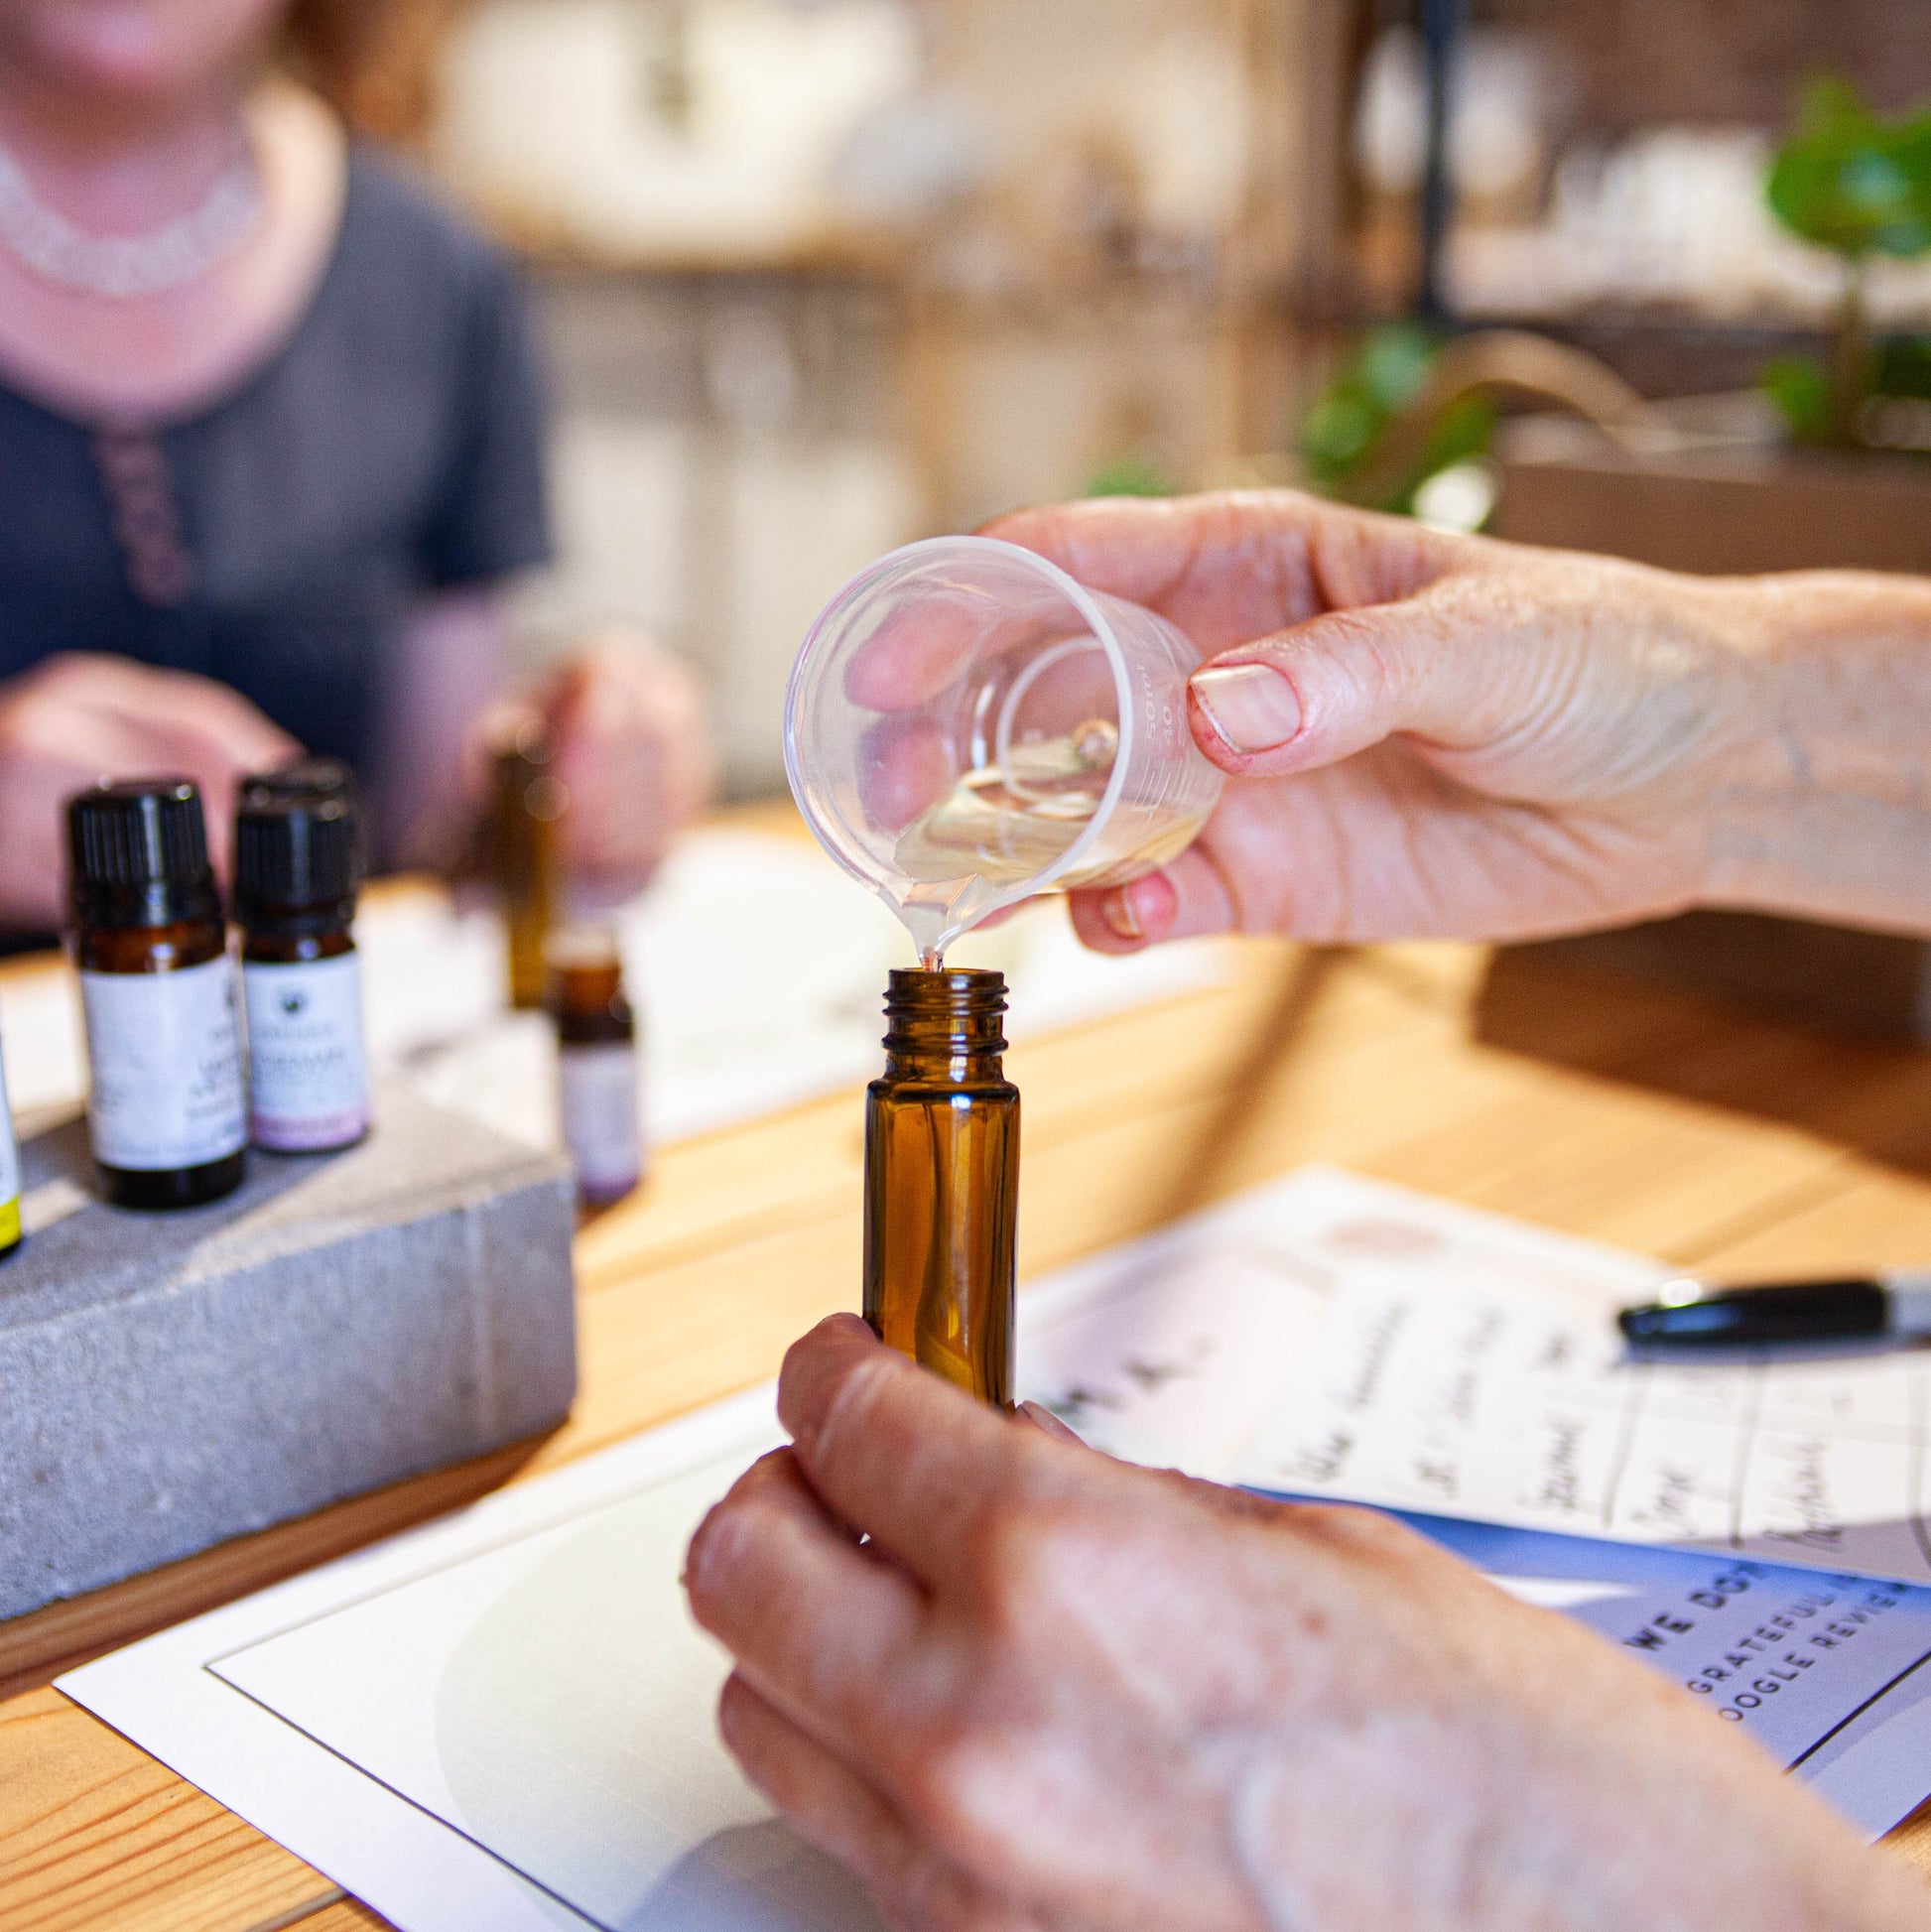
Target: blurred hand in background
629	744
73	720
632	748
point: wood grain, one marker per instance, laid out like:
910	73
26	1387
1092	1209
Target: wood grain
338	1915
97	1836
1639	1117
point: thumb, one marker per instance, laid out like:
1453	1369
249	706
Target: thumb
1321	690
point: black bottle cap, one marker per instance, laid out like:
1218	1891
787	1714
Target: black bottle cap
138	851
294	856
305	778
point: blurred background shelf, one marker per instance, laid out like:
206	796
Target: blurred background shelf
819	278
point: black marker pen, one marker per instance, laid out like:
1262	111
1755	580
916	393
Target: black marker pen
1691	1314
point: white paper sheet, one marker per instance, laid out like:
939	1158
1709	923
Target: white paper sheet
503	1721
45	1050
757	968
500	1722
1831	1674
1425	1357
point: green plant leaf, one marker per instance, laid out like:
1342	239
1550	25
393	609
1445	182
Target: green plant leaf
1346	419
1904	367
1464	430
1852	182
1395	362
1344	427
1132	475
1801	390
1338	430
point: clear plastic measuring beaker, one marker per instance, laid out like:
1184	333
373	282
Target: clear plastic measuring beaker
966	726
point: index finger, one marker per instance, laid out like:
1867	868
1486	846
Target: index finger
1236	565
185	705
895	1452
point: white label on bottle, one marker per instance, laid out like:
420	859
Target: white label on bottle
167	1067
9	1169
598	1091
307	1074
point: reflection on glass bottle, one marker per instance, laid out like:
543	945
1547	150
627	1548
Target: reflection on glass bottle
942	1181
526	818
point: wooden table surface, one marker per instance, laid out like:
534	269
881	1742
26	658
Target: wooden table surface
1637	1117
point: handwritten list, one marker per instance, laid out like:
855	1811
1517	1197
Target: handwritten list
1335	1337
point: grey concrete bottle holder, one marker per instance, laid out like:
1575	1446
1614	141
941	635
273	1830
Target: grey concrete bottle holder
341	1322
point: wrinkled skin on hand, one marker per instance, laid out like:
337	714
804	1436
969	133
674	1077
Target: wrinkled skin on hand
1054	1691
1488	740
73	720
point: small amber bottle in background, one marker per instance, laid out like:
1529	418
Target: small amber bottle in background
596	1062
525	821
9	1229
166	1113
297	870
942	1181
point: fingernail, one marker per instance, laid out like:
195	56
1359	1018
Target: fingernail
1048	1424
1119	912
1250	706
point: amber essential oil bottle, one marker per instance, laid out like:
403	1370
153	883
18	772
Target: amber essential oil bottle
297	870
596	1062
165	1110
525	820
942	1180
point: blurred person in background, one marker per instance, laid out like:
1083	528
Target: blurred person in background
270	447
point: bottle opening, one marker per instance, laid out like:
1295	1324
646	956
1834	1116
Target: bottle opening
944	1008
946	989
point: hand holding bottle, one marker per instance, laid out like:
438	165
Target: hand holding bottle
633	753
1057	1691
1438	734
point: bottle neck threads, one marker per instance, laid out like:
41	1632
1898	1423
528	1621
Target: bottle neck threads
944	1024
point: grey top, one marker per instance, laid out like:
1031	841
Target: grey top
392	446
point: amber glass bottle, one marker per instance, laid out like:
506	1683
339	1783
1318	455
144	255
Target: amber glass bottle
296	869
165	1107
596	1062
525	819
942	1180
